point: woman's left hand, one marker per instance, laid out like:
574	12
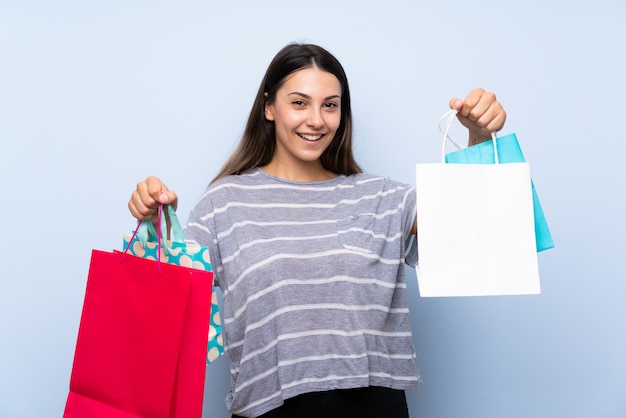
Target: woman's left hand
480	113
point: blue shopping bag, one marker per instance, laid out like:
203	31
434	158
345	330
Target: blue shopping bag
509	151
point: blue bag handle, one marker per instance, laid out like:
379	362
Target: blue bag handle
145	230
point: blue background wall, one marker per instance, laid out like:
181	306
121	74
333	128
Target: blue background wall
95	96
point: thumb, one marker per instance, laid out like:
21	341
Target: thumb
456	104
167	196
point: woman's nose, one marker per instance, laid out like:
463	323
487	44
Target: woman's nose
316	119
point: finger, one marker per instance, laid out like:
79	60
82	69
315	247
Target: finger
477	104
493	118
496	121
144	200
138	210
168	197
456	103
468	103
154	189
141	204
148	192
159	192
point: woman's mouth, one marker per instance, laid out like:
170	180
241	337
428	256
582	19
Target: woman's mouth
311	137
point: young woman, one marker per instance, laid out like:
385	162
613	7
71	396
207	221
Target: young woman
309	251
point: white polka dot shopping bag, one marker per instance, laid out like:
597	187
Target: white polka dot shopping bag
143	243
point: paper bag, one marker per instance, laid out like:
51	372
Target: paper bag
509	151
175	251
475	229
141	343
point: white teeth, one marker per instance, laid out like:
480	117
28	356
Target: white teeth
310	137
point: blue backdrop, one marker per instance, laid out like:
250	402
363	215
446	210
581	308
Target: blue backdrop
95	96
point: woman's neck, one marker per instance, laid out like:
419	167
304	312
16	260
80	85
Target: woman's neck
301	172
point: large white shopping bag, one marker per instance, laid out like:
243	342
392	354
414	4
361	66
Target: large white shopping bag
475	228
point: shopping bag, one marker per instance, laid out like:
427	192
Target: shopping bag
475	226
141	343
143	243
509	151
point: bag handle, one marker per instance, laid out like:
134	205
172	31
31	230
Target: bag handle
148	229
450	115
145	229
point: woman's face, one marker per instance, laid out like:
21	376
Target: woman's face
306	113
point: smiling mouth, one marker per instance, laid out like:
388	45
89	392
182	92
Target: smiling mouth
311	137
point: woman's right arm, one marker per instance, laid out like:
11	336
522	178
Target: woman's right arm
146	198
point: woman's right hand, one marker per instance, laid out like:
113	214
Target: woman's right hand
147	197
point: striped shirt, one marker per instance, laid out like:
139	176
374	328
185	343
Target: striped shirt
313	280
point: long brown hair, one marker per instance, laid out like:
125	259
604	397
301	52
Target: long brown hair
257	144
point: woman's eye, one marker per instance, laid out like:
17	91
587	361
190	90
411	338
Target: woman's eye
298	103
331	105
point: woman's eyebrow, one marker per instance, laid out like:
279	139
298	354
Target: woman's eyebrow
306	96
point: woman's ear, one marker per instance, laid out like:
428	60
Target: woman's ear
269	114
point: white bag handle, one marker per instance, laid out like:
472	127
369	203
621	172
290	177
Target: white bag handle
451	114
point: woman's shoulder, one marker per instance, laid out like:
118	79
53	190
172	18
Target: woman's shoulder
375	180
248	178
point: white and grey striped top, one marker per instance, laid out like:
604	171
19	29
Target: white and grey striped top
313	280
